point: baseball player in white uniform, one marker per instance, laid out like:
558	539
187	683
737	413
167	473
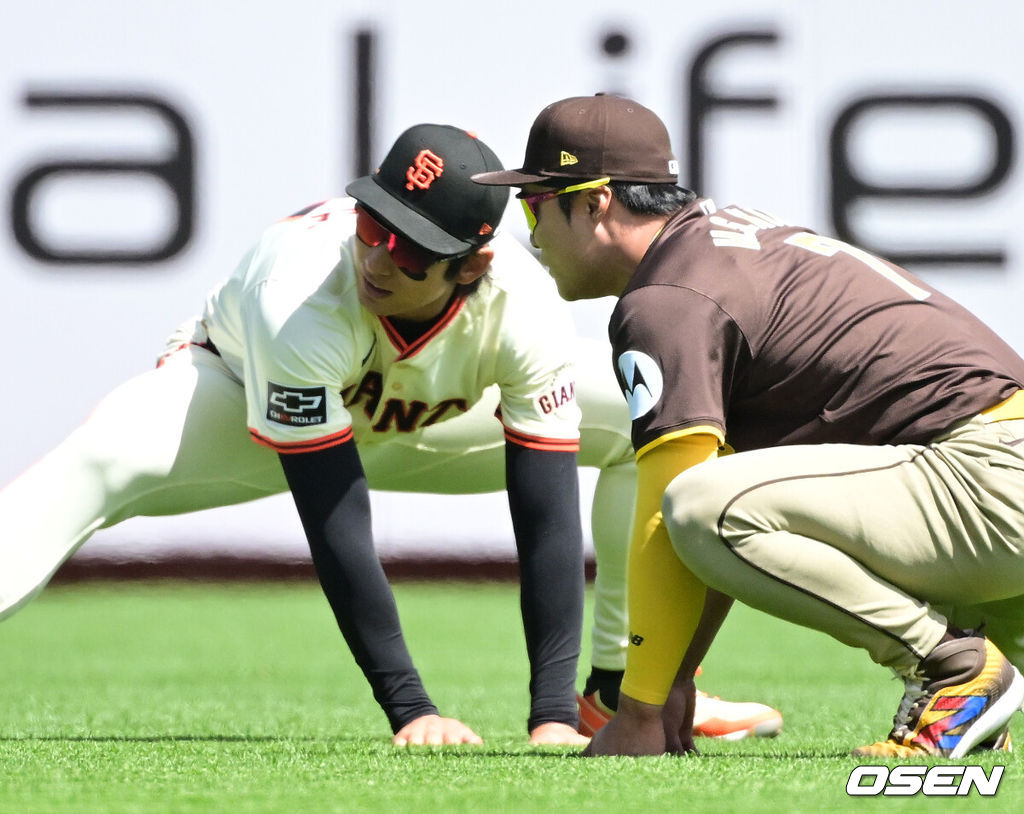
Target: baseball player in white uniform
391	340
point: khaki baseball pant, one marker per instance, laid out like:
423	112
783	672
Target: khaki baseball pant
875	545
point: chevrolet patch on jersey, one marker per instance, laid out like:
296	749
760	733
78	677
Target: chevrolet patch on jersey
296	406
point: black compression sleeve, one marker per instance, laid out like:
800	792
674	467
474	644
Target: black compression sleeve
543	492
333	501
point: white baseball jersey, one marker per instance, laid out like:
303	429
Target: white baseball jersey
319	369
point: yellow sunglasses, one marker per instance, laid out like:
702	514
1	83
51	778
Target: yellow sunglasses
531	201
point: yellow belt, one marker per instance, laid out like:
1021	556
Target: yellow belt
1007	410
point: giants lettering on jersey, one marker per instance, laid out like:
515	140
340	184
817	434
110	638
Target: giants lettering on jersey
398	414
296	406
556	398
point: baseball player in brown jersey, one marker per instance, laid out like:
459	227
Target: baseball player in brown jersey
877	490
369	342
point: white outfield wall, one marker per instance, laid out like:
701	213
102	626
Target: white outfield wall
144	145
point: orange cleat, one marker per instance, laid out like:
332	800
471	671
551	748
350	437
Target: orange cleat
593	714
712	717
734	721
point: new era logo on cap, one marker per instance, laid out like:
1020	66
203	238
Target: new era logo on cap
568	159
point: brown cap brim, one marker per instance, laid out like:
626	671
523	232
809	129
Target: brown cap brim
508	178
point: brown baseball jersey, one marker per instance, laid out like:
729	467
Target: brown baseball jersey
770	334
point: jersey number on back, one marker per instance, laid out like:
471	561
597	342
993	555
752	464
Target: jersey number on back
829	247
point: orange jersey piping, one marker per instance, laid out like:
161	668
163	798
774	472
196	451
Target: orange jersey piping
293	447
409	349
537	442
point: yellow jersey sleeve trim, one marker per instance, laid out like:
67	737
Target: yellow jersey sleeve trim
665	598
705	429
1007	410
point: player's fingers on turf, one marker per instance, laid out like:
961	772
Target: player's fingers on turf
458	732
431	734
450	731
404	738
557	734
415	732
433	730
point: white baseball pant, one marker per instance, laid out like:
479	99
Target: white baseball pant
174	440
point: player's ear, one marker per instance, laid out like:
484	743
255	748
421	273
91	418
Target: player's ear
598	200
475	265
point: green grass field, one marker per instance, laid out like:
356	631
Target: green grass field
179	697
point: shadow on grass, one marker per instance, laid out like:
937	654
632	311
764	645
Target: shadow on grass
447	750
706	757
155	739
455	751
575	754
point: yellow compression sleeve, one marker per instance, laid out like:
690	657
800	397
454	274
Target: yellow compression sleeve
665	598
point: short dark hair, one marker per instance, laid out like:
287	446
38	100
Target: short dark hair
641	199
651	199
454	266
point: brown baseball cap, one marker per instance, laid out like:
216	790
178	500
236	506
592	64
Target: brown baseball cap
593	137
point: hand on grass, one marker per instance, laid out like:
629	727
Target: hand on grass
433	730
555	733
677	718
636	729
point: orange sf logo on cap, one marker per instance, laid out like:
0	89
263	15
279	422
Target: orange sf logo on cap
427	168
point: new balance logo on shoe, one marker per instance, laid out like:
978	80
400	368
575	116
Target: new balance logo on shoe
948	714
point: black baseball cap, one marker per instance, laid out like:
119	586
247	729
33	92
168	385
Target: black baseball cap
601	136
424	191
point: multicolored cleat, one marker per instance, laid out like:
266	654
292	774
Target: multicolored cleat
962	700
712	717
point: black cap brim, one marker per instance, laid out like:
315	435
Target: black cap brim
407	221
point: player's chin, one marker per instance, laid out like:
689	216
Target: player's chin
374	300
566	289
